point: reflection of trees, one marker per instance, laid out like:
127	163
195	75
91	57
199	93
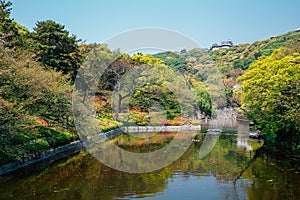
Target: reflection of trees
86	177
225	160
83	177
140	162
275	176
208	144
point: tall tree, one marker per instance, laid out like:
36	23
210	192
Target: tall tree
56	48
270	96
5	21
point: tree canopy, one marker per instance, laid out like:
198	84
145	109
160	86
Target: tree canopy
270	95
56	48
35	112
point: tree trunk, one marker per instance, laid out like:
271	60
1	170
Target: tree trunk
118	110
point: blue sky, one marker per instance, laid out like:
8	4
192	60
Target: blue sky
207	22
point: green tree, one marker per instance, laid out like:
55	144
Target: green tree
202	97
29	93
173	60
30	96
6	24
270	95
32	91
56	49
12	34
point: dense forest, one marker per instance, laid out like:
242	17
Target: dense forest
39	70
263	81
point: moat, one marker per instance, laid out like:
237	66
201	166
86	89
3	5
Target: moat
233	169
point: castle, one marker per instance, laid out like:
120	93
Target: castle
224	45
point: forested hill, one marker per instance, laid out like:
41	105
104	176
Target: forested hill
242	55
261	80
226	63
233	62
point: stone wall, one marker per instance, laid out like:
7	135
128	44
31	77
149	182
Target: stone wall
145	129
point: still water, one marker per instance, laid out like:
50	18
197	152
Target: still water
233	169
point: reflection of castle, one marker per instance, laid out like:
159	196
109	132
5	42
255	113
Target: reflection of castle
243	142
242	136
224	45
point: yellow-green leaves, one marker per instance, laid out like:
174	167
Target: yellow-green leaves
271	92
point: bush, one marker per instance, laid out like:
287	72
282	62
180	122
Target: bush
55	138
107	124
36	146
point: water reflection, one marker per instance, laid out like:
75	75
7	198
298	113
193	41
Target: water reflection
231	170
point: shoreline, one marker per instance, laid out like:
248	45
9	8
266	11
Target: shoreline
68	150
